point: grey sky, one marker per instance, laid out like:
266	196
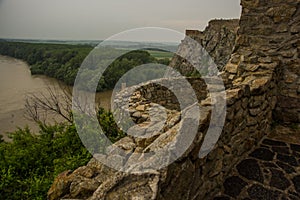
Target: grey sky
99	19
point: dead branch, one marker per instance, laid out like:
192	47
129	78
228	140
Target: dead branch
55	101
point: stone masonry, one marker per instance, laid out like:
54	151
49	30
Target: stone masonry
218	39
271	170
262	86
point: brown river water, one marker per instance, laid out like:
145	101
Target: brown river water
15	83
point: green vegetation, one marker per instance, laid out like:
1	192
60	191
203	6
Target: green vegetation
30	162
62	61
160	54
163	57
54	60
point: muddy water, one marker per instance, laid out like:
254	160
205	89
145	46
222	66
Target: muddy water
15	83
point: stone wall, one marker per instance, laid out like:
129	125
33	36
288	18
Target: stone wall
262	80
155	92
272	44
288	109
217	39
247	120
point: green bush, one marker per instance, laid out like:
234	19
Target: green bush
30	162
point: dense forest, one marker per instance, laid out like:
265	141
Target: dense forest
62	61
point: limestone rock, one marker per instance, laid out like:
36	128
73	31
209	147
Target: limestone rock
60	186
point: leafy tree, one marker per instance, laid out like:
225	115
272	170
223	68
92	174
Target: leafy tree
62	61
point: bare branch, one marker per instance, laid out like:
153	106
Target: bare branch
56	101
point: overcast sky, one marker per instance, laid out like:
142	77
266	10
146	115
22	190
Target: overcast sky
99	19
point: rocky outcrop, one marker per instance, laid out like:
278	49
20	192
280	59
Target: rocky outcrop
217	40
266	53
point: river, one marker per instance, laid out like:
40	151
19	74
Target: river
15	83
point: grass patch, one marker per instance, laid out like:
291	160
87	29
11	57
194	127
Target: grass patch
161	54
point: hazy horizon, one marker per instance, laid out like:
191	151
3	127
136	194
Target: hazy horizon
100	19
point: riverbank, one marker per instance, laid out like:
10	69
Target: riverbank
16	83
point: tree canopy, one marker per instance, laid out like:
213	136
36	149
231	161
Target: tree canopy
62	61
